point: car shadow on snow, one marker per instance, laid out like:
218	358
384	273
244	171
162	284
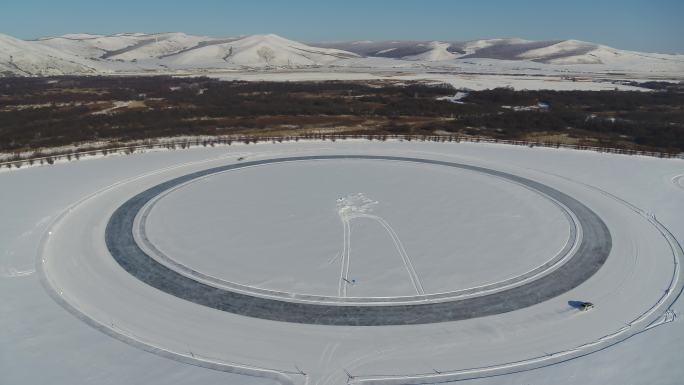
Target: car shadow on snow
576	304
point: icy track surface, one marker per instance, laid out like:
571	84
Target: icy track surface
525	290
68	305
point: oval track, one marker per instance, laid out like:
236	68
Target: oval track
591	254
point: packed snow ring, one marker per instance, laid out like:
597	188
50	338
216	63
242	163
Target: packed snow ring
565	253
590	256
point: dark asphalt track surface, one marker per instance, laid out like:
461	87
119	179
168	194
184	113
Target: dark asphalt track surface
591	254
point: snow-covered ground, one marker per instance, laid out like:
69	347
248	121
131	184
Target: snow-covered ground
474	82
430	210
292	211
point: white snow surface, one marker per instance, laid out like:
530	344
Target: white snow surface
460	81
43	343
532	229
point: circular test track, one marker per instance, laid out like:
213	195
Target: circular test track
590	255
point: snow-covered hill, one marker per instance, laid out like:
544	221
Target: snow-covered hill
173	52
255	51
437	51
90	46
572	52
562	52
25	58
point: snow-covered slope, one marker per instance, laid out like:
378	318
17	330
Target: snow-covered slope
572	52
158	46
473	46
256	51
164	52
437	51
125	47
431	50
561	52
565	52
24	58
91	46
387	49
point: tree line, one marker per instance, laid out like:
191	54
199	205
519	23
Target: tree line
47	112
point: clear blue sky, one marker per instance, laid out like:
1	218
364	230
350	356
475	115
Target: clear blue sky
647	25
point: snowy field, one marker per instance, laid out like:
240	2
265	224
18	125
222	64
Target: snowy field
341	228
254	217
519	79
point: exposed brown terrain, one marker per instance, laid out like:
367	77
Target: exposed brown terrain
40	113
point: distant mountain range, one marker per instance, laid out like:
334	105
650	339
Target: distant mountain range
75	54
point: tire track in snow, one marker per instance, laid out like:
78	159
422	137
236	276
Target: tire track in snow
346	255
415	280
15	273
678	181
360	206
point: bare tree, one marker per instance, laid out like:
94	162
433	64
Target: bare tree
266	54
